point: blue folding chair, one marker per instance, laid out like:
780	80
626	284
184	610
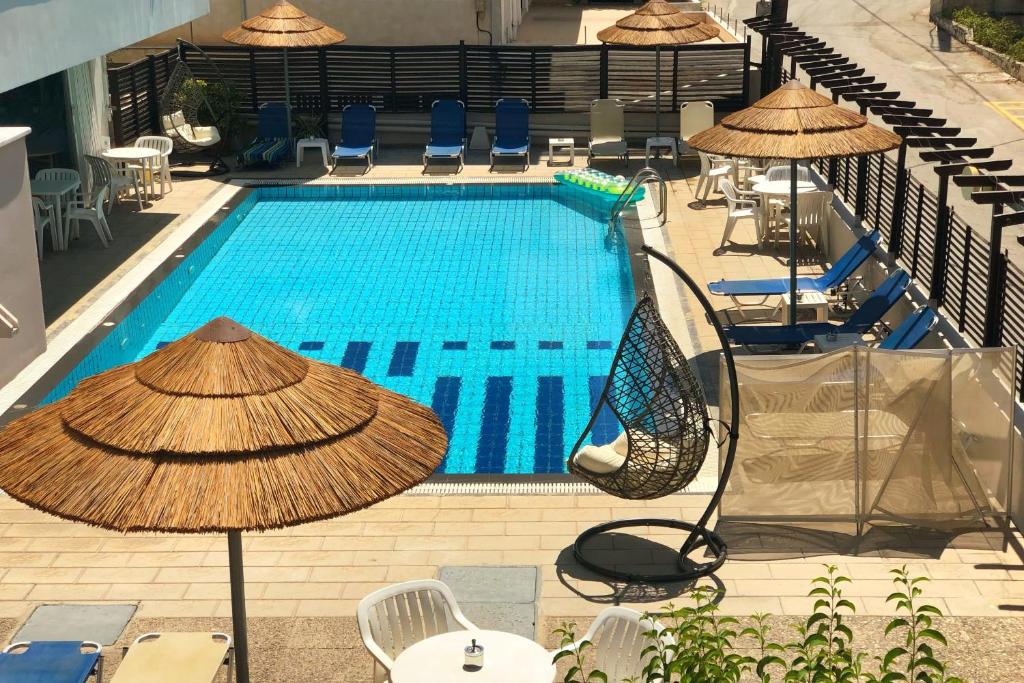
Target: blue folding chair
447	132
273	139
862	320
912	331
50	661
839	273
511	131
358	135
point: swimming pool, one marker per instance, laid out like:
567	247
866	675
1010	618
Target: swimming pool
498	305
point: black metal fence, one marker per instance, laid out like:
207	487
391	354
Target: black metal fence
408	79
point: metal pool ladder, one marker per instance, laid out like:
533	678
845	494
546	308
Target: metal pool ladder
644	175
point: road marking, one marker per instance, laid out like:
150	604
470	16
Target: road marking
1011	110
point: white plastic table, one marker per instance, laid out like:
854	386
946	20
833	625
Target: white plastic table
55	191
658	143
813	301
508	658
145	157
841	341
769	189
555	144
312	143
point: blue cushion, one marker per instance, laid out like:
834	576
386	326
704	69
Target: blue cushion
766	287
54	661
357	152
511	151
443	150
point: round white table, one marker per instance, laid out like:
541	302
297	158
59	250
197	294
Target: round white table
777	189
145	157
508	658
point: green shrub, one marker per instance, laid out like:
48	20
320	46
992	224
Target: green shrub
968	17
1000	35
704	646
1016	50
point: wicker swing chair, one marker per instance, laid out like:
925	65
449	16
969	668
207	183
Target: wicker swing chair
660	404
182	118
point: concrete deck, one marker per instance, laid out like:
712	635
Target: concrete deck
309	578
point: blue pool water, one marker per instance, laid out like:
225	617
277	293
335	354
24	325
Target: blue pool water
498	305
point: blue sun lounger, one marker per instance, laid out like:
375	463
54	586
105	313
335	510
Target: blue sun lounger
511	131
273	139
839	273
50	661
912	331
358	135
447	132
862	320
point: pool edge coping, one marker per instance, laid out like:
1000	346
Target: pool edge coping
64	350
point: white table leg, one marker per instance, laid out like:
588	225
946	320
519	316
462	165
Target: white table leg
323	153
62	238
298	155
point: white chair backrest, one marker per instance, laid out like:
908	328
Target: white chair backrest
782	173
39	208
618	640
695	117
729	190
812	208
607	120
58	174
158	142
396	617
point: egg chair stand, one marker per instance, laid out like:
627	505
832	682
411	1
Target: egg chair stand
654	394
180	118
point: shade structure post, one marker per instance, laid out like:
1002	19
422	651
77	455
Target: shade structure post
287	95
937	286
793	170
996	283
657	91
238	623
899	203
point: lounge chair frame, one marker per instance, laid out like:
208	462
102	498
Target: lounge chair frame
655	396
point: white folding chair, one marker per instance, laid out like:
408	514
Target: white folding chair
165	146
79	210
742	205
393	618
712	169
44	215
618	641
693	118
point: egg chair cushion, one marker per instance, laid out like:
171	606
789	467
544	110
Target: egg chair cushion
603	459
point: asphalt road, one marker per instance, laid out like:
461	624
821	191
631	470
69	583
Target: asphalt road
895	41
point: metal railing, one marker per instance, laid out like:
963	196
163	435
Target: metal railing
644	175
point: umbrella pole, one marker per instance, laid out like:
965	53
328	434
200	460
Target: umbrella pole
793	170
238	623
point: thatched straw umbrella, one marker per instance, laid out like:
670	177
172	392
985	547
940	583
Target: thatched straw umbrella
655	24
284	25
220	431
795	123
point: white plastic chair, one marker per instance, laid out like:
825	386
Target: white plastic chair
712	169
693	118
812	218
394	618
782	173
165	146
607	130
44	216
742	205
80	211
617	638
117	182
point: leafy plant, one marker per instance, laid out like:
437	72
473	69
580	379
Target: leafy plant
308	125
208	104
696	645
1002	35
915	659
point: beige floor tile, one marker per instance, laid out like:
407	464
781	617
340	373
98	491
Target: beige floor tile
43	575
176	608
69	591
326	608
119	575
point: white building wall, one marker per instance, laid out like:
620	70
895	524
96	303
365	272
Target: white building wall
43	37
20	292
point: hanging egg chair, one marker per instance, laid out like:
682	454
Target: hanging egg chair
187	117
666	432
